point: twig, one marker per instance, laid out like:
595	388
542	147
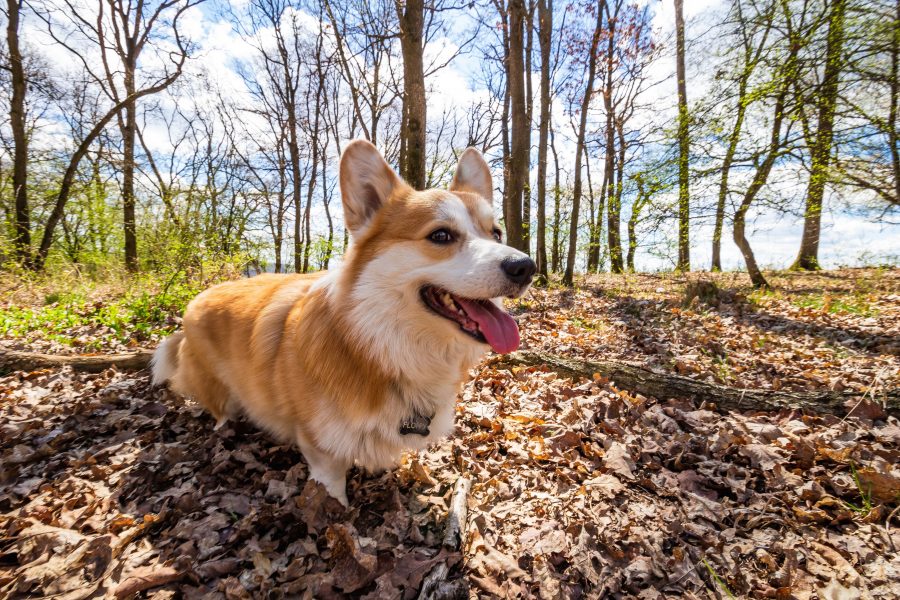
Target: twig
456	519
869	391
435	585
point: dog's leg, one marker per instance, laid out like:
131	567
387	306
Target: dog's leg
326	469
229	412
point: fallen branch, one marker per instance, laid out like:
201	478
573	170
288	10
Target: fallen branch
640	379
456	519
14	360
435	585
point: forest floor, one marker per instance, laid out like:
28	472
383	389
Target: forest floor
111	487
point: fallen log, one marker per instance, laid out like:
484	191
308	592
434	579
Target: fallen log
640	379
628	376
15	360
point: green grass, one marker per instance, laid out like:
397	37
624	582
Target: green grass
865	505
583	323
88	313
136	316
857	304
717	579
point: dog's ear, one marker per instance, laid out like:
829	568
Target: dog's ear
473	175
367	181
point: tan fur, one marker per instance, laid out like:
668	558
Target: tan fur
282	349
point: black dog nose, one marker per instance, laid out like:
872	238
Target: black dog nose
519	270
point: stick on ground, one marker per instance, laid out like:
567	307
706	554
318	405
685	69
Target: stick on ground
435	585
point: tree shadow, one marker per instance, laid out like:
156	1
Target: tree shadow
848	337
139	476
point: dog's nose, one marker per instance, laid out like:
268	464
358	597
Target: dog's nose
518	270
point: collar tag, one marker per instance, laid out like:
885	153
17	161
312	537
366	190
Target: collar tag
415	424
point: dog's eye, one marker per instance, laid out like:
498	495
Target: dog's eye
498	235
441	236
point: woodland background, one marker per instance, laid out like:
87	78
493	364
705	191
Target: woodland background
666	433
167	135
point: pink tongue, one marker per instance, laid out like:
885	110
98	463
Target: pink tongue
499	329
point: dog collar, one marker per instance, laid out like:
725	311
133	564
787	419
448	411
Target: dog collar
416	424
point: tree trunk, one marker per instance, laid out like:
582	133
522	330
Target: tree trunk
314	149
620	177
733	140
893	140
412	22
504	119
529	120
12	360
820	152
568	276
762	174
684	210
596	222
128	200
294	158
614	209
636	207
545	31
518	159
20	138
325	201
555	249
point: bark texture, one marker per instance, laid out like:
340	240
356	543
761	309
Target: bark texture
545	32
684	210
20	138
820	151
569	274
411	14
642	380
519	133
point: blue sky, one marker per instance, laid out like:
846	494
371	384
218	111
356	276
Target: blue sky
847	238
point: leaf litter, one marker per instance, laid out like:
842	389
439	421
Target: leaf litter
110	488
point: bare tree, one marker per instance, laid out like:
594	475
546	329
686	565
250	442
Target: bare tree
411	14
868	153
684	207
784	75
365	57
519	138
820	142
131	35
752	45
545	34
20	140
569	274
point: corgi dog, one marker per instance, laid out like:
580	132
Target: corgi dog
360	363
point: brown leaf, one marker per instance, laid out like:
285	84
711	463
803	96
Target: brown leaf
498	562
618	459
606	484
317	508
884	487
144	578
421	474
762	456
353	569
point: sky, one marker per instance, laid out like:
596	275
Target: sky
847	239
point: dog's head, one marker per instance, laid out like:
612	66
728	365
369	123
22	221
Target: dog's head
428	265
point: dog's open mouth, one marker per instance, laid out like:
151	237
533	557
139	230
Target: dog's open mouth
481	319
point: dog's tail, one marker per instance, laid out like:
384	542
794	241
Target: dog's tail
165	360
